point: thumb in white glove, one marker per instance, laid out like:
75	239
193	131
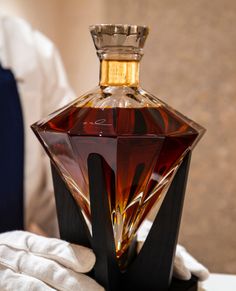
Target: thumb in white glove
31	262
184	264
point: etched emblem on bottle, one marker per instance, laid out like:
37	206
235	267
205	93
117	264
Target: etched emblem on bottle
98	122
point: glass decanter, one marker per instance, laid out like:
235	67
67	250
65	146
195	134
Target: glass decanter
142	140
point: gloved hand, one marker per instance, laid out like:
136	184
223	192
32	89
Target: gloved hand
30	262
184	264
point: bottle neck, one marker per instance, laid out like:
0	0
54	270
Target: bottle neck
119	73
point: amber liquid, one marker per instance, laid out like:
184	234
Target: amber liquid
142	149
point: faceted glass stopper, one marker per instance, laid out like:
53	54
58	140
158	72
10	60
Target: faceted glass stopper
110	35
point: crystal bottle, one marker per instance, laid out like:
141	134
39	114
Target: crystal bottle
142	139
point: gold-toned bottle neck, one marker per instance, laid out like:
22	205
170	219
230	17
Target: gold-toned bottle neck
119	73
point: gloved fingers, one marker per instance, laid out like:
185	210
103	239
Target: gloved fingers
184	263
192	264
75	257
179	270
10	280
50	272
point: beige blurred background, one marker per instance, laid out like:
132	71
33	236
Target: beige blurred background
190	63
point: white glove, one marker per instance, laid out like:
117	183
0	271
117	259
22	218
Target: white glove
29	262
184	264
